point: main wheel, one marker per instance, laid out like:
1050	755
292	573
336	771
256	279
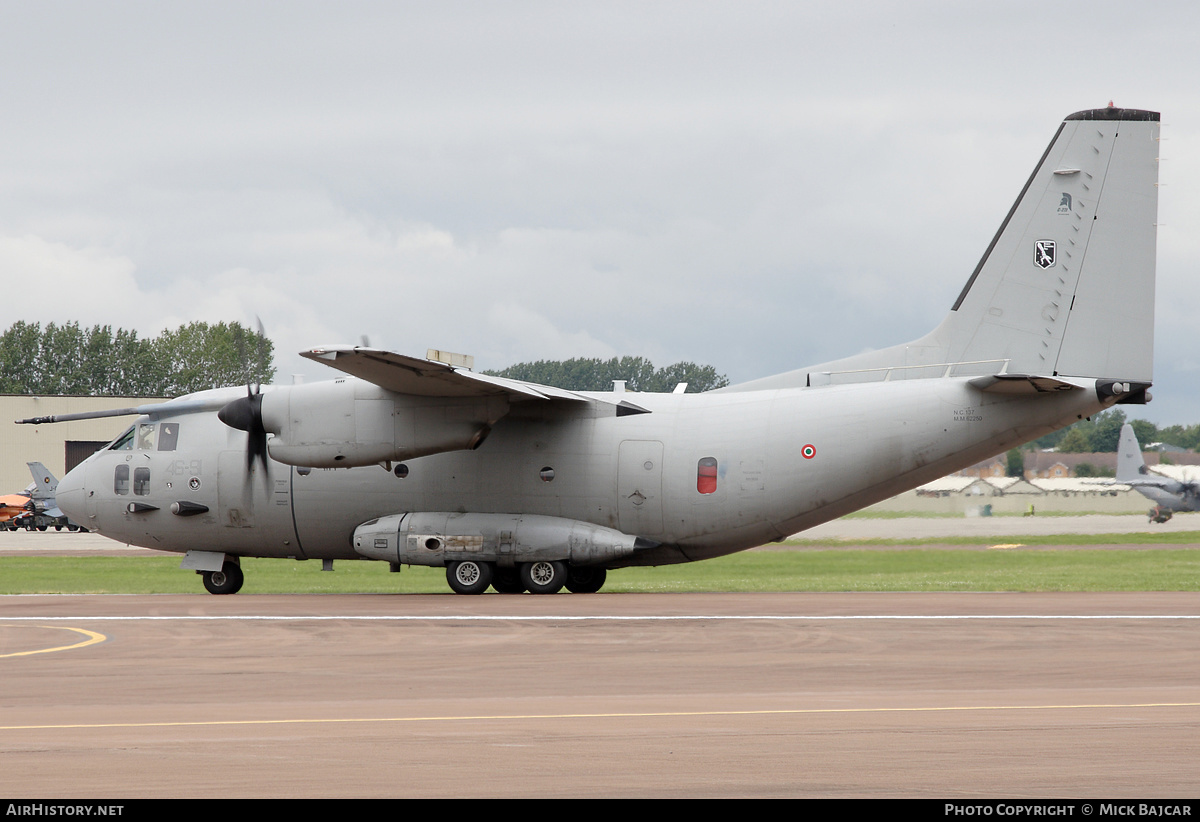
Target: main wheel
585	580
544	576
226	581
508	581
469	576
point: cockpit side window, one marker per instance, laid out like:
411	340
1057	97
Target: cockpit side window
123	442
168	436
146	437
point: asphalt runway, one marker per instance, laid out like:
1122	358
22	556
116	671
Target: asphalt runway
609	695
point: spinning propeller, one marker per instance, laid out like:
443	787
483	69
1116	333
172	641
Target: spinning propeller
246	414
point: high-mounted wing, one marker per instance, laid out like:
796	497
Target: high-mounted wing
400	408
427	378
433	378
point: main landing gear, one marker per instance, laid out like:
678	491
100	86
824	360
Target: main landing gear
468	576
540	577
1160	514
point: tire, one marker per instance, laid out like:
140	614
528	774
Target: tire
469	576
544	576
585	580
507	581
226	581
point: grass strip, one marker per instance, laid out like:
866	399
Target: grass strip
1139	538
916	569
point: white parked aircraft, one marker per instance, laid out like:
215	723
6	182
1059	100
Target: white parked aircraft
1168	495
527	487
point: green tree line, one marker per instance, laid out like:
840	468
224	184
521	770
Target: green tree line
1102	431
98	361
598	374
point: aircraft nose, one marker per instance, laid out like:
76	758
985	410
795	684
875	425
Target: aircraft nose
71	495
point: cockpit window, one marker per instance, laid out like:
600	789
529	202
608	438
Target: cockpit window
168	436
146	437
123	442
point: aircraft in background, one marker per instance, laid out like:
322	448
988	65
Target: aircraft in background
1168	495
13	507
525	487
35	508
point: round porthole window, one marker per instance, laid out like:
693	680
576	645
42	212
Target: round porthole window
547	474
400	470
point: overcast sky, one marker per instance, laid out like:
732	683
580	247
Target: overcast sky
752	185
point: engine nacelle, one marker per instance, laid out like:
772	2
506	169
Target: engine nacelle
438	539
346	423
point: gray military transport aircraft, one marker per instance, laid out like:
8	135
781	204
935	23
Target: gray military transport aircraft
1168	495
525	487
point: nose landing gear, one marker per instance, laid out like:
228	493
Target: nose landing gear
226	581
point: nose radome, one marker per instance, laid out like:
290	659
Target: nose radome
71	494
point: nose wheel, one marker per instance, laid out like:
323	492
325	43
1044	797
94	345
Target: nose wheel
226	581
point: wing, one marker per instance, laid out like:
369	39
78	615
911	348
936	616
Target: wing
432	378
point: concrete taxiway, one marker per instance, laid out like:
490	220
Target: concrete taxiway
919	695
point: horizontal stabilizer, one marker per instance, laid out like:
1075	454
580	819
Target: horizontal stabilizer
1021	384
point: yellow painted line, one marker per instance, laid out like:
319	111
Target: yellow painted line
630	715
92	639
1004	546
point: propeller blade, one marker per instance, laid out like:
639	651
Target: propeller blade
245	414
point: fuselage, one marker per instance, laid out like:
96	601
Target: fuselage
699	476
1171	496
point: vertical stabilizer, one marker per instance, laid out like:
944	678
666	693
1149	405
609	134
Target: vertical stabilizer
44	485
1066	287
1131	465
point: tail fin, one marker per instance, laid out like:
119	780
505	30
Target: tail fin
1066	287
44	485
1131	465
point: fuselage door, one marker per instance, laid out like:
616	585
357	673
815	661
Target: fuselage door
639	487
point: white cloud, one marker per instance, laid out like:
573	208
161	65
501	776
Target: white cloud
753	185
